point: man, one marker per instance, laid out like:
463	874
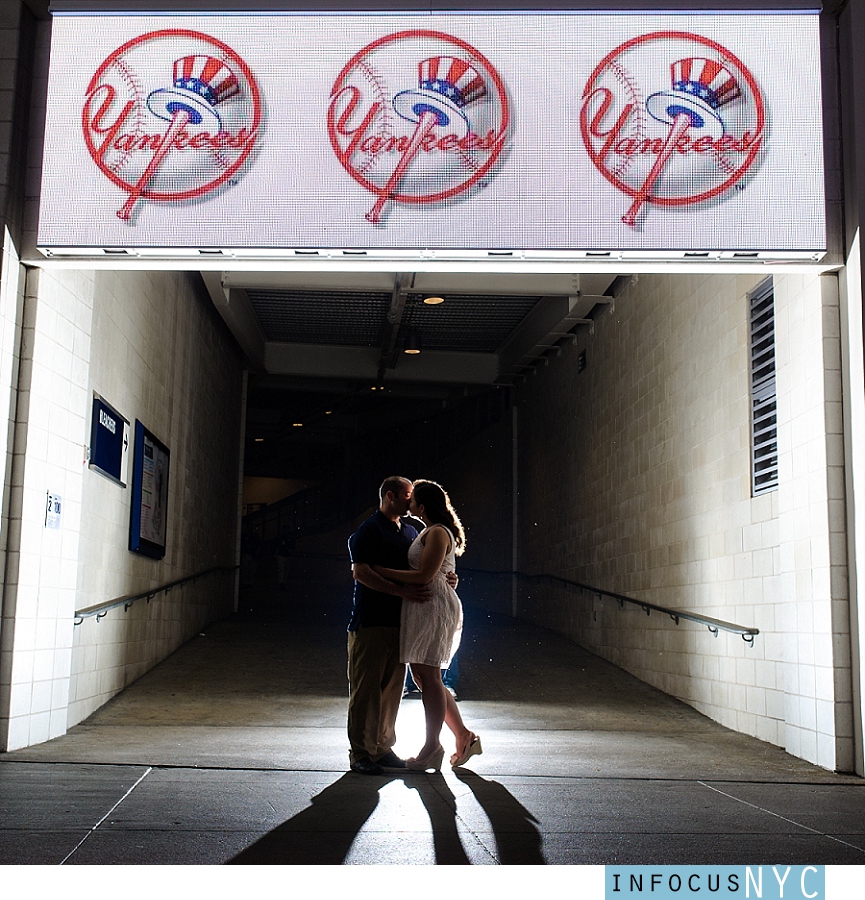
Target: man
375	674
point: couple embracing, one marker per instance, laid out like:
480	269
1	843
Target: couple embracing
405	612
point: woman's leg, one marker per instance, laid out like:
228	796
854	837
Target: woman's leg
454	721
438	694
434	696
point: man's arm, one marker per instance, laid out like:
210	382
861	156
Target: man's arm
364	573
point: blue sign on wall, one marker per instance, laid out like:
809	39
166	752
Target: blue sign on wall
109	441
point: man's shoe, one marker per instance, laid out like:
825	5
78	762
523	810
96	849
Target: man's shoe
391	761
366	766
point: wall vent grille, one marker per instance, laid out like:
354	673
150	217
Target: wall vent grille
764	414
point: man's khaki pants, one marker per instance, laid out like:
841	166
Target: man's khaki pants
376	679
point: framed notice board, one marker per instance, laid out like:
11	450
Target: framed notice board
148	522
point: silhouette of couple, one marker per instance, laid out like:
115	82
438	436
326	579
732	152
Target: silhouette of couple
405	612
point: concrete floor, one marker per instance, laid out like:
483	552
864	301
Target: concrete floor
234	751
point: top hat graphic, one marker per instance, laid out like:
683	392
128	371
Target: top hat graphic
200	83
700	88
446	86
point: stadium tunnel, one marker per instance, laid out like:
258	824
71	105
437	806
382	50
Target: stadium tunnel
672	437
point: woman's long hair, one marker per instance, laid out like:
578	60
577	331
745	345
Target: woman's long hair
437	508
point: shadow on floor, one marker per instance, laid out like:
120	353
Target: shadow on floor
309	837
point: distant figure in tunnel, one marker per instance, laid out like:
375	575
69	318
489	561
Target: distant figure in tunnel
430	632
375	673
285	547
250	544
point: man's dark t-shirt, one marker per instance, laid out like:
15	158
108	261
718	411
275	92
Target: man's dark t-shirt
381	542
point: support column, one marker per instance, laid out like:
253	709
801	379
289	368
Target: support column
515	511
11	313
42	551
851	34
853	371
814	610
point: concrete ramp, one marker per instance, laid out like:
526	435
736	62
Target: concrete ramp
233	750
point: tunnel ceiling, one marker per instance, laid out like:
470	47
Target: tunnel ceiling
327	361
472	323
488	329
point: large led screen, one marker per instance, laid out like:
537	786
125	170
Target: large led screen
447	132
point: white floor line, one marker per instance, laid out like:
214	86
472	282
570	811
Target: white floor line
779	816
93	829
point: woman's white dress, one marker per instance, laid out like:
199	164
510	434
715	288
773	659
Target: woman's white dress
430	632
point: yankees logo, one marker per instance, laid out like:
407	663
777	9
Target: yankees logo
171	115
672	119
417	117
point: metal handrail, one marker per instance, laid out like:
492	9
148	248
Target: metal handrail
102	609
714	625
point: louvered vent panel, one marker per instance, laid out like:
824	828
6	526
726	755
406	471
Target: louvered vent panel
764	418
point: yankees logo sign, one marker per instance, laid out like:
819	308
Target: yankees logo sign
547	135
171	115
672	119
417	117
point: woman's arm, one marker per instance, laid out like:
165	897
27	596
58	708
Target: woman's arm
435	548
364	573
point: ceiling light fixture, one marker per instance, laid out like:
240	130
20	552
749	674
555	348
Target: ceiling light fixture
433	301
412	343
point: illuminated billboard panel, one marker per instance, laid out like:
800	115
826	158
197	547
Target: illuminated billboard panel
680	132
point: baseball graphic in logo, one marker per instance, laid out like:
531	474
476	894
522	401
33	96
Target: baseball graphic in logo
417	117
171	115
672	119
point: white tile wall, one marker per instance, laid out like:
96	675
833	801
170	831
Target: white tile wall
635	476
159	354
152	345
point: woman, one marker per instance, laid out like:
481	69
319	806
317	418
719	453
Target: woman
430	631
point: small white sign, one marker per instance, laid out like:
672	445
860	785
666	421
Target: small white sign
53	509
